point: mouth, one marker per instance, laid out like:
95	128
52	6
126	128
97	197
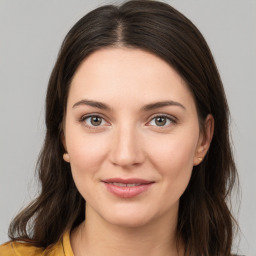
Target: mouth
125	184
127	188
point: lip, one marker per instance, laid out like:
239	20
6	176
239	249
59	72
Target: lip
127	188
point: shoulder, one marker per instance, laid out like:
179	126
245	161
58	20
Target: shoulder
61	248
19	249
24	249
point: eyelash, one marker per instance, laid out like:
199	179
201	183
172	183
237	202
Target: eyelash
84	118
171	119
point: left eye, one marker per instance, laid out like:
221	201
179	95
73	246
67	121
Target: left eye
161	121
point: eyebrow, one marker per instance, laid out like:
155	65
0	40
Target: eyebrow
161	104
92	103
145	108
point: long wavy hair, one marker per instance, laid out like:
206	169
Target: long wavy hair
205	223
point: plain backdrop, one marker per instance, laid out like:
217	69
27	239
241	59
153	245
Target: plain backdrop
31	32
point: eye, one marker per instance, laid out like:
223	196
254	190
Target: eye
93	121
162	121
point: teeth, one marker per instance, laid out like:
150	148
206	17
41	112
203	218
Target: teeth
124	185
119	184
132	185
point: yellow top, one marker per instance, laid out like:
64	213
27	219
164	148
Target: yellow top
61	248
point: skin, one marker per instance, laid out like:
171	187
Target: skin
129	142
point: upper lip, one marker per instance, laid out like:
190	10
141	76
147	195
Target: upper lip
127	181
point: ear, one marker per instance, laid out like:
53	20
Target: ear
204	140
65	155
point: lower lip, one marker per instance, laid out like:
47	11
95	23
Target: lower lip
127	192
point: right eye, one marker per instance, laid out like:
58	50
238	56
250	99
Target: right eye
93	121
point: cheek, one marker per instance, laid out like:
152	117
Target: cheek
87	156
175	165
174	150
86	152
173	158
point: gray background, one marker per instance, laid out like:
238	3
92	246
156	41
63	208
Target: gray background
31	32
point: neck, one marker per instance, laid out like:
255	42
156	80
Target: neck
97	237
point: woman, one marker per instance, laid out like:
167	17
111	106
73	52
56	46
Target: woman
137	127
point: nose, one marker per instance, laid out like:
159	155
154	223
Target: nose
127	147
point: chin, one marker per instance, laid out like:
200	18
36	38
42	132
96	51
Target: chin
129	221
129	218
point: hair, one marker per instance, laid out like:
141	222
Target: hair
205	223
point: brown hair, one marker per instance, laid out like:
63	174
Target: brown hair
204	223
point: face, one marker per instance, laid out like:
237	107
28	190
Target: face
132	136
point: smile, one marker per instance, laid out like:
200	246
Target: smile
125	184
127	188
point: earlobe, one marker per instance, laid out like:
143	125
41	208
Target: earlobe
205	139
66	157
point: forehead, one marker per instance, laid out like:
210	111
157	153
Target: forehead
128	74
